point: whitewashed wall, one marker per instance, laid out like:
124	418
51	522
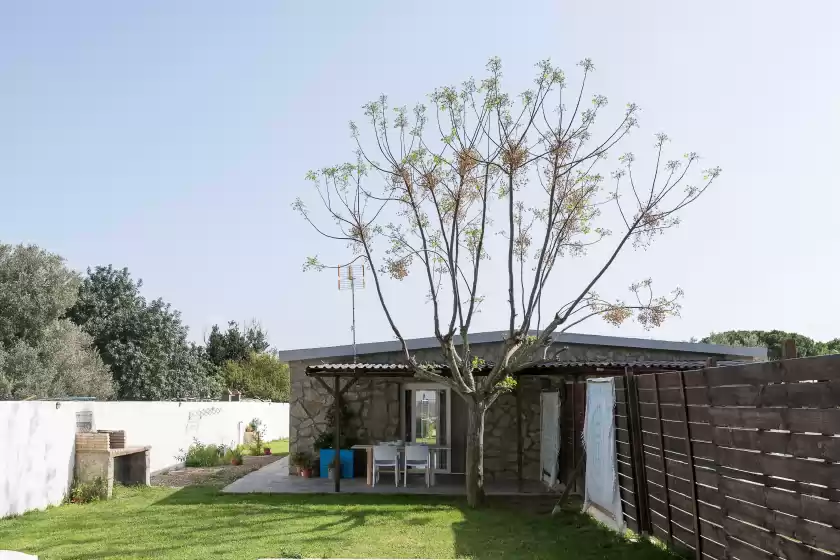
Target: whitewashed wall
36	438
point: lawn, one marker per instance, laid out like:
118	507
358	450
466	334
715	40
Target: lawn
278	447
198	522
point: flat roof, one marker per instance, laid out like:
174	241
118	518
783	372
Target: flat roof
497	336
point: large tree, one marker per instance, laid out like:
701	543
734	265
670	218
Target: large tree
234	344
523	166
258	376
144	343
772	340
43	355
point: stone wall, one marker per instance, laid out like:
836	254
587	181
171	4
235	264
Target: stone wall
374	404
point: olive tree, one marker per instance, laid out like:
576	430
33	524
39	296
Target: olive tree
428	187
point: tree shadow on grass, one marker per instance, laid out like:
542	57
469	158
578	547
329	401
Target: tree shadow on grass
492	532
505	528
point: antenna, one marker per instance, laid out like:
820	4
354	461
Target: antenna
352	277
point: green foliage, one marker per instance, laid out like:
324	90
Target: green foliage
326	439
300	460
257	428
772	340
144	343
258	376
255	425
86	492
42	355
507	383
234	455
235	345
202	455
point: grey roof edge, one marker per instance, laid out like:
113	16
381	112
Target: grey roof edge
498	336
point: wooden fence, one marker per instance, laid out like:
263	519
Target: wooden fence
734	462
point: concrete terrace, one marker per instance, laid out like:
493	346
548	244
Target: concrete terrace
275	479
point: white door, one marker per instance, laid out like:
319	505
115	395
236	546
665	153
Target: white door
549	437
427	410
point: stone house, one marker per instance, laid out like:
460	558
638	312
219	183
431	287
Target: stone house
386	405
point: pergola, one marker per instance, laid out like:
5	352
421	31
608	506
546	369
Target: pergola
352	373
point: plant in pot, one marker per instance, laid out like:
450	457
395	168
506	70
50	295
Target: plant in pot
325	442
302	462
234	455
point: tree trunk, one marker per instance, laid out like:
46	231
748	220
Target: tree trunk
475	453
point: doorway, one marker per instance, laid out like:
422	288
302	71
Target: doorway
427	411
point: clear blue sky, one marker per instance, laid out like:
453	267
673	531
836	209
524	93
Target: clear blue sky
172	137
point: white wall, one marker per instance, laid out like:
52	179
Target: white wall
37	437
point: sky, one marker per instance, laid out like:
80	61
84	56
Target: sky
171	138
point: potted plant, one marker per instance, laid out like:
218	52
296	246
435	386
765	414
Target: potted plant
326	447
252	431
234	456
266	450
303	463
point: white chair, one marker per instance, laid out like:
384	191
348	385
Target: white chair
386	456
417	456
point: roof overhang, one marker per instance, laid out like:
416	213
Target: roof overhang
405	371
327	352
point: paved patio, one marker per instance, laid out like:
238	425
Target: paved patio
275	479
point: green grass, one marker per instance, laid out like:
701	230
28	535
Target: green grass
198	522
278	447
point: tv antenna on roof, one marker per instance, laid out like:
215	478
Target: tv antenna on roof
352	277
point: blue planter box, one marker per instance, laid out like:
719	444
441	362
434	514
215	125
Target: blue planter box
345	456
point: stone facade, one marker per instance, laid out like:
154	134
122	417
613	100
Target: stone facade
375	404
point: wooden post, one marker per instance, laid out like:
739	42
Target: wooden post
519	443
574	429
691	479
662	458
637	456
337	435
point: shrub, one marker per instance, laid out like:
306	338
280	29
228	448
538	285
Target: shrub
201	455
86	492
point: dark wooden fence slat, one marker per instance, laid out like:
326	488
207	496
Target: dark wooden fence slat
821	368
771	542
799	445
813	534
816	420
742	551
791	503
702	450
802	470
823	394
675	412
702	432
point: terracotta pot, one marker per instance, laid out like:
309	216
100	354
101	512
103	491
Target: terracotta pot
306	473
236	462
267	450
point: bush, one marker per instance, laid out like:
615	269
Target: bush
201	455
86	492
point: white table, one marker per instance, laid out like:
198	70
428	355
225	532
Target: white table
433	451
